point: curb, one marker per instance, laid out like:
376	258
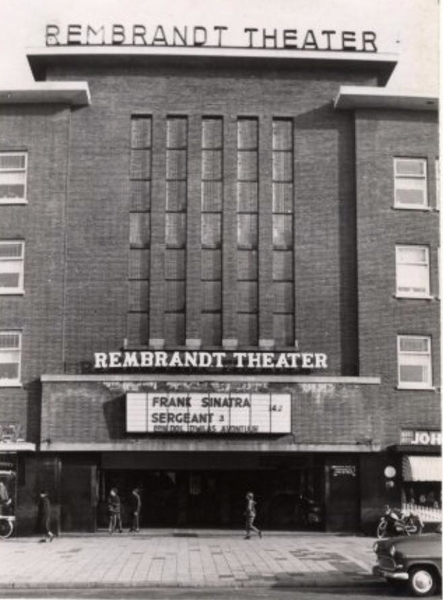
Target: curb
328	581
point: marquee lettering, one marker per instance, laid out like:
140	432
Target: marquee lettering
160	359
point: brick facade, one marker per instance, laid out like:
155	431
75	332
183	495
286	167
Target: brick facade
76	227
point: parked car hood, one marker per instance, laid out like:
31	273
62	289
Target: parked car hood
415	545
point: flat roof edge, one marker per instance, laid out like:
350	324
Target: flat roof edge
206	445
145	378
385	62
48	92
11	447
355	97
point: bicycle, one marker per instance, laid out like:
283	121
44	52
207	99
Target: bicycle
7	526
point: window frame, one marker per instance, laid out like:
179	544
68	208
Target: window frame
424	177
411	294
414	385
13	382
24	199
20	289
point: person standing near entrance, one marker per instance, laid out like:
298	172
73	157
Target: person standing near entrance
114	508
45	516
250	514
136	504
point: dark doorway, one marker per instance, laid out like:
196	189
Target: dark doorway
286	498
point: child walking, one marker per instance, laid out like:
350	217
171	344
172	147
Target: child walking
250	514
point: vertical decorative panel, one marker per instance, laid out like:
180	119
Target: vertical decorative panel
247	230
211	233
283	231
176	229
139	230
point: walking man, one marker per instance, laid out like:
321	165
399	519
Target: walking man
250	514
136	504
114	508
45	516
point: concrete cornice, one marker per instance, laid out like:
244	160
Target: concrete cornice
197	378
355	97
48	92
205	445
383	63
16	447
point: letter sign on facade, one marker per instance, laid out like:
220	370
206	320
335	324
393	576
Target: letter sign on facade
218	413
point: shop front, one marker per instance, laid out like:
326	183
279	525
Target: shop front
421	473
14	451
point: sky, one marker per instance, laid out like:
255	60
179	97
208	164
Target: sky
407	27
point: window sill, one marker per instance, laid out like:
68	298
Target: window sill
10	385
415	388
415	208
406	297
10	202
12	293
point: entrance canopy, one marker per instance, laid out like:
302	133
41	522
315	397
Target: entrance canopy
422	468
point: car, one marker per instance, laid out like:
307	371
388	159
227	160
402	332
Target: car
414	561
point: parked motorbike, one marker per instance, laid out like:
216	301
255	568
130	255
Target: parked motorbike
399	523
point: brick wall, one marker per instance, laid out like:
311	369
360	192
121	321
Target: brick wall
381	136
88	412
324	234
42	131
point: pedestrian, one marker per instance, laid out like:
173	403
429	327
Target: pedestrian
45	516
250	514
114	508
136	504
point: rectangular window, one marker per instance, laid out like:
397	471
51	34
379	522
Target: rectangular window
410	183
211	229
139	230
247	230
10	352
11	267
13	170
412	263
282	231
414	361
176	229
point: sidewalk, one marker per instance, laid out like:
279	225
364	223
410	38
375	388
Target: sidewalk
186	559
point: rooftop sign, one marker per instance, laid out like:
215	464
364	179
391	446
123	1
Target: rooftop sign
217	36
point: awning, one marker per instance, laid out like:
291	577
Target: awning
422	468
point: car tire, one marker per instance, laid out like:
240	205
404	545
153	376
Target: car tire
422	581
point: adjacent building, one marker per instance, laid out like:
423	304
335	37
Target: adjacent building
218	273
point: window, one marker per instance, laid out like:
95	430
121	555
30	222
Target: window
10	349
11	267
13	167
139	229
414	361
412	264
176	229
211	227
410	183
247	230
282	231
